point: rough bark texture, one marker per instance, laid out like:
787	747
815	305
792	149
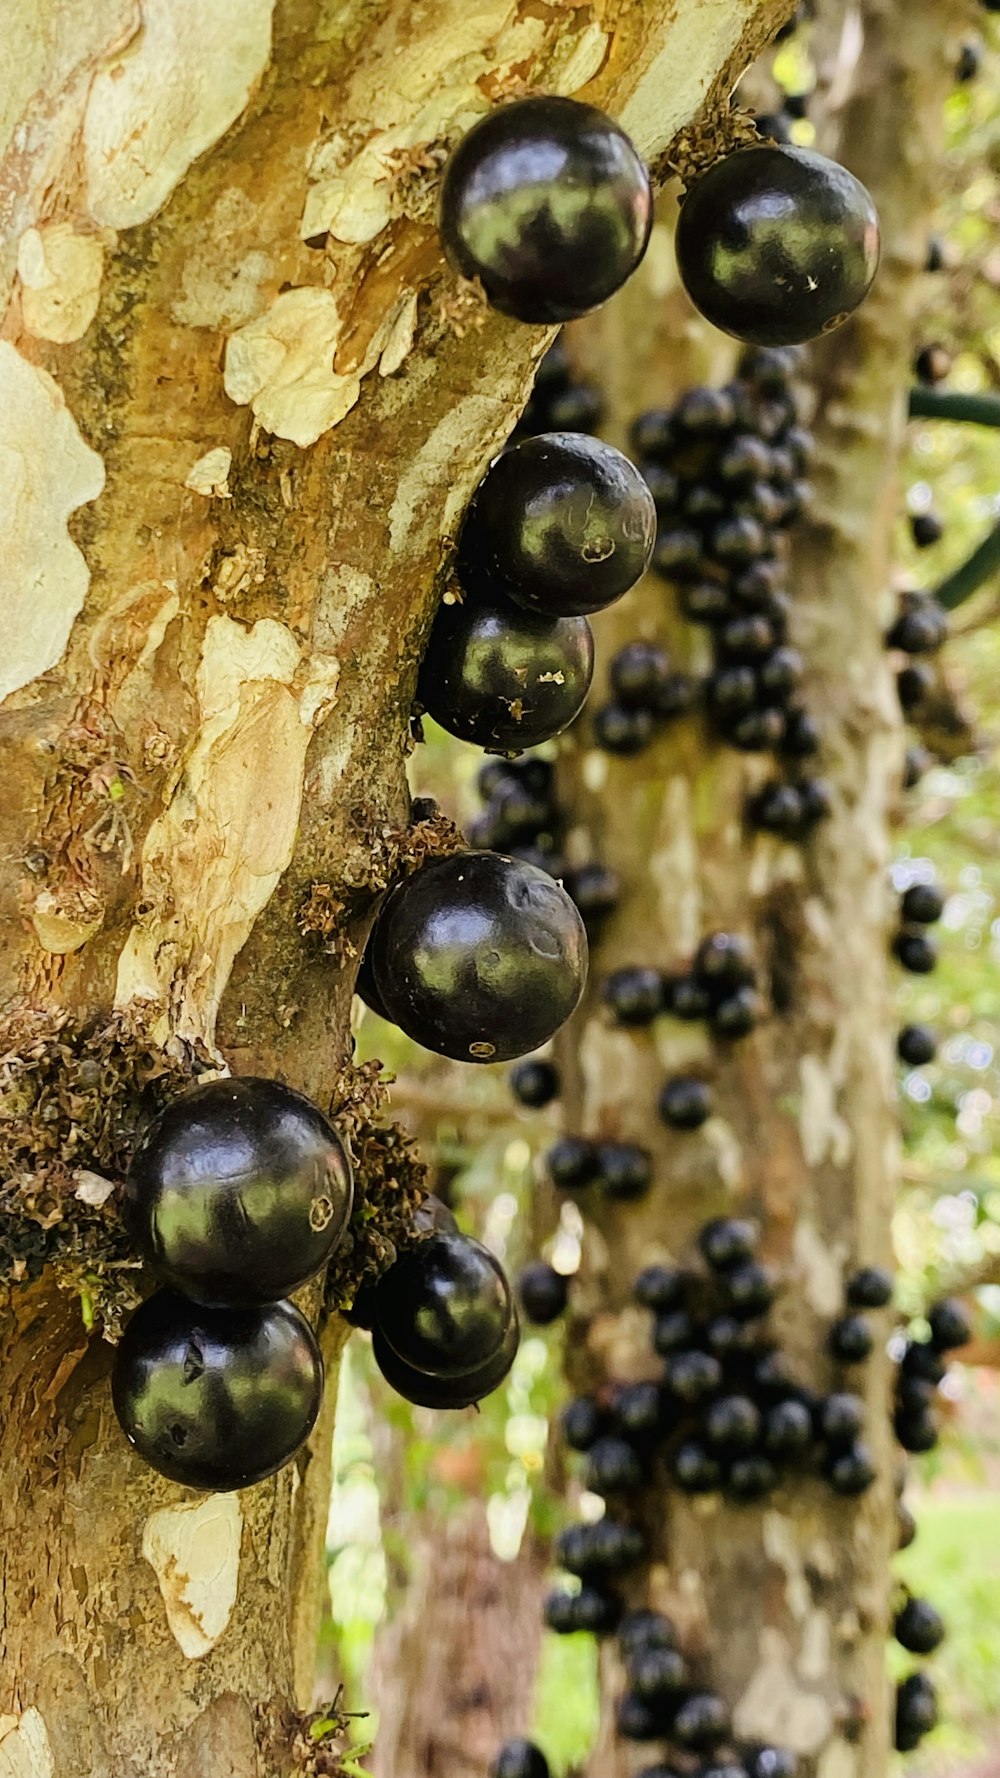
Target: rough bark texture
243	407
784	1606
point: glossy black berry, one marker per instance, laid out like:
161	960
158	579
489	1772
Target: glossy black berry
949	1324
239	1192
622	731
758	731
802	737
851	1471
591	1610
582	1422
646	1629
445	1392
608	1547
673	1331
572	1163
546	202
750	1478
685	997
779	675
656	1674
638	1721
692	1376
741	538
840	1418
724	961
660	1287
624	1170
702	1722
542	1292
732	1423
596	890
916	1045
724	1336
770	1762
677	552
920	628
732	691
727	1241
918	1627
870	1287
817	800
216	1398
520	1759
922	1361
777	245
638	1410
788	1429
851	1339
970	60
535	1083
695	1470
563	524
916	1712
445	1307
480	957
922	903
926	529
685	1102
613	1466
638	673
652	434
750	1289
915	949
634	995
917	1432
778	808
365	988
498	676
914	686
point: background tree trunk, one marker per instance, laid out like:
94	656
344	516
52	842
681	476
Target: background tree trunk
243	410
784	1607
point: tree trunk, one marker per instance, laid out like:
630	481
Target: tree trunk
783	1606
243	409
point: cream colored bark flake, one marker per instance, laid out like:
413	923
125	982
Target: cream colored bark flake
47	470
60	272
167	98
210	475
25	1751
194	1551
281	365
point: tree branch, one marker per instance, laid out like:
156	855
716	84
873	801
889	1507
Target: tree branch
983	563
952	404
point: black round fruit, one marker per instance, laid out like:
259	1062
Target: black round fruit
692	1376
622	731
582	1422
646	1629
921	1360
365	989
724	961
777	245
480	957
851	1339
535	1083
596	891
445	1392
673	1331
546	202
918	1627
685	997
239	1192
572	1163
613	1466
661	1287
656	1674
624	1170
638	1721
638	1410
914	685
728	1241
501	677
870	1287
922	903
750	1289
732	1423
634	994
916	1044
695	1470
445	1307
590	1610
563	524
916	1432
638	674
949	1324
216	1398
915	950
750	1478
701	1722
770	1762
853	1471
543	1292
788	1429
840	1418
685	1102
520	1759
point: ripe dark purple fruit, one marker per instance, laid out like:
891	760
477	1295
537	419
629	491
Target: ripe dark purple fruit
572	1163
638	1721
216	1398
622	731
906	1526
750	1289
920	628
701	1722
547	202
638	1410
661	1287
445	1392
520	1759
543	1292
624	1170
916	1712
787	1429
915	949
656	1674
646	1629
851	1339
926	529
802	737
606	1547
724	961
498	676
634	994
853	1471
916	1044
685	997
750	1478
535	1083
777	808
914	685
727	1241
922	1360
590	1610
916	1432
613	1466
480	957
239	1192
365	989
770	1762
732	1423
777	245
685	1102
695	1470
922	903
869	1288
949	1324
582	1422
673	1331
918	1627
692	1376
840	1418
639	672
596	890
445	1307
563	524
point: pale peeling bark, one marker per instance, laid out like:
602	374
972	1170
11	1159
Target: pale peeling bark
783	1606
242	409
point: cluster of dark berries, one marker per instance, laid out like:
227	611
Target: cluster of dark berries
912	946
720	987
920	628
922	1367
560	401
726	1414
522	818
236	1194
546	202
443	1320
478	956
646	691
918	1628
621	1170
